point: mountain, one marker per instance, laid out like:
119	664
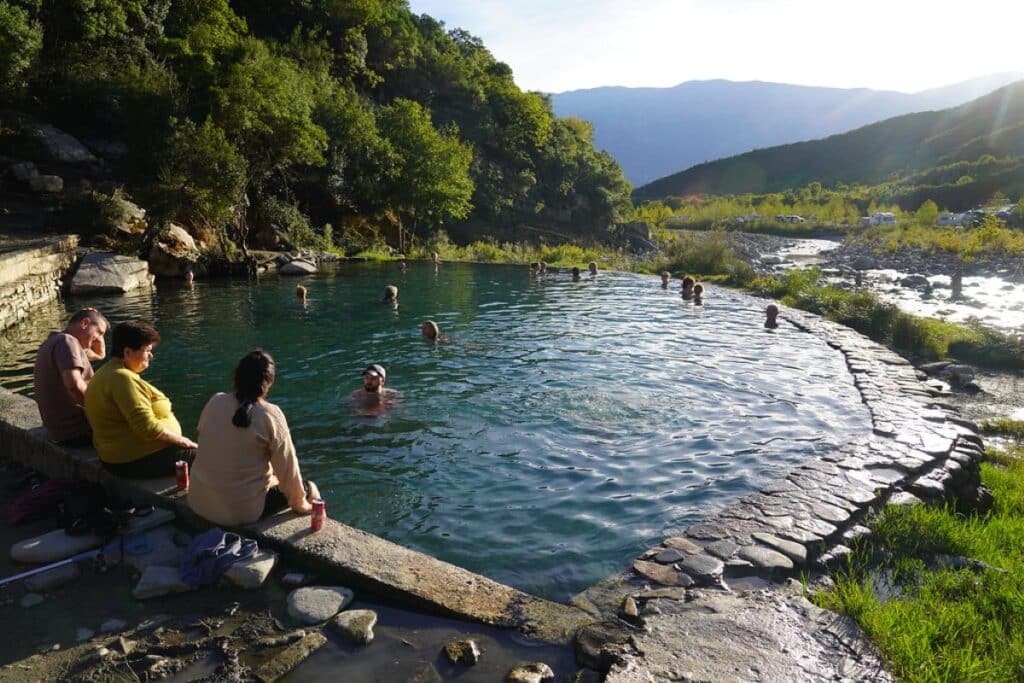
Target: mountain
979	143
652	132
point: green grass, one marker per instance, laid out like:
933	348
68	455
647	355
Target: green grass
947	625
1004	426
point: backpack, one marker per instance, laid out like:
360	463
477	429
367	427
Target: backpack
88	509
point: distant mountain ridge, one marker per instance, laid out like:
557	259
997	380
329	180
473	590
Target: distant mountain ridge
653	132
975	149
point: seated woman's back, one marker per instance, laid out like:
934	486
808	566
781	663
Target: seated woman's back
245	450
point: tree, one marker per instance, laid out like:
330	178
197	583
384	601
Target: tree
20	42
204	171
927	213
429	179
265	104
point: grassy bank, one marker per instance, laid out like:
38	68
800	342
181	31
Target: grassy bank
945	624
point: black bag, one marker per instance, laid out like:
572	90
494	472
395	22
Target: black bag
88	509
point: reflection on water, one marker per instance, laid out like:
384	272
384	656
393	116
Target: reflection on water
570	424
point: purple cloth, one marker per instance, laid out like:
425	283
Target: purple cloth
211	553
41	502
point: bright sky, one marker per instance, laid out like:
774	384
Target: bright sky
907	45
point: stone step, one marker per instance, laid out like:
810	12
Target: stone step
32	273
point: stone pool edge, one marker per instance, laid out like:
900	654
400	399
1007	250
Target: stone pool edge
337	552
919	450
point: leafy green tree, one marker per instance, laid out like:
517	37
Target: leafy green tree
203	171
927	213
265	104
20	41
429	179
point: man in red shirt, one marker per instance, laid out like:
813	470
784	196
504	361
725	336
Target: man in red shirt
62	372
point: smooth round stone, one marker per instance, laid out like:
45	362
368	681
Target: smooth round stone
356	625
316	604
55	578
31	600
684	544
53	546
765	558
702	567
669	556
536	672
790	549
659	573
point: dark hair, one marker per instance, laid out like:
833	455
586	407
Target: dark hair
253	376
132	335
94	316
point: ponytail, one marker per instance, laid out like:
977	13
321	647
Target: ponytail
253	377
243	416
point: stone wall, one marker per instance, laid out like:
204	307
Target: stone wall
33	274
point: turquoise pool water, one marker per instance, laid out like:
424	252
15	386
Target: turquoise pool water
567	427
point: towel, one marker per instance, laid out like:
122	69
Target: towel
211	553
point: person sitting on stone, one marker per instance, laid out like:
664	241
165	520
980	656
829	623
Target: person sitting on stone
593	267
665	277
688	283
771	316
390	297
246	467
575	274
133	427
301	293
698	294
62	373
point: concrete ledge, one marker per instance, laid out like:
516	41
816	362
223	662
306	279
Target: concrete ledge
356	558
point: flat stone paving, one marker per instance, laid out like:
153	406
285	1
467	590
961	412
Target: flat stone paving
796	525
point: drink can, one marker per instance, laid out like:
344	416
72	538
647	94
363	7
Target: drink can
316	520
181	473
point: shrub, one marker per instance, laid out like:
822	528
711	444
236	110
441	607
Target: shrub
271	210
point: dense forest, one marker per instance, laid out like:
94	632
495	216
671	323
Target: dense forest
345	121
957	157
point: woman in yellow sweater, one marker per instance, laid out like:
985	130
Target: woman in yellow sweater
246	467
133	428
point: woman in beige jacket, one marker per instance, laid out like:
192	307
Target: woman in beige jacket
246	467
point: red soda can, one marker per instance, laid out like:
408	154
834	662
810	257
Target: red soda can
181	472
316	520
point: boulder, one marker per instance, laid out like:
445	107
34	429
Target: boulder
270	236
865	262
173	252
24	171
914	281
356	625
133	217
105	272
46	184
536	672
298	267
463	651
63	147
108	149
158	581
53	546
251	573
112	625
317	604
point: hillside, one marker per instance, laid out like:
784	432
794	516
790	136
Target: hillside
652	132
351	123
977	147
